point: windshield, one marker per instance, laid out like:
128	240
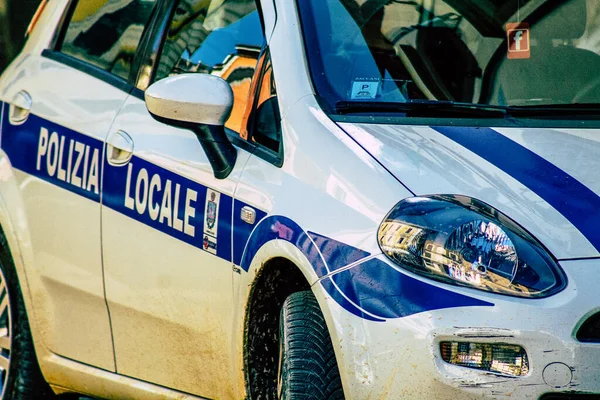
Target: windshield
498	53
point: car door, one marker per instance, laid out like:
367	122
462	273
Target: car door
166	219
61	105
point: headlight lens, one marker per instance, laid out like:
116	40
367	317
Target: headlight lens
462	241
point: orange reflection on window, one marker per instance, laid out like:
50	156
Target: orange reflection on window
238	72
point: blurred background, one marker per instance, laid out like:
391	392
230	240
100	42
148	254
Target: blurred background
14	18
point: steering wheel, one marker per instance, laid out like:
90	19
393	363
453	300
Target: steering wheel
590	93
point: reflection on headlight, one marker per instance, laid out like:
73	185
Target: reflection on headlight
447	240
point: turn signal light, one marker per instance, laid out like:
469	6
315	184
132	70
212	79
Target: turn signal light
501	358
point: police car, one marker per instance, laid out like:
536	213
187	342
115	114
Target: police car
302	199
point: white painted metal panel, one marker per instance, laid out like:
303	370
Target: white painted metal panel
170	298
71	114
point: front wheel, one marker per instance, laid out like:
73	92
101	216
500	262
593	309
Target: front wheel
20	376
307	364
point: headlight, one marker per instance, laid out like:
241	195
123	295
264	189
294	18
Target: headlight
463	241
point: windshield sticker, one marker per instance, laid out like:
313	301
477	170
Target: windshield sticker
365	89
518	40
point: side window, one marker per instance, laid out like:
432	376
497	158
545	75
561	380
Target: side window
265	122
106	33
218	37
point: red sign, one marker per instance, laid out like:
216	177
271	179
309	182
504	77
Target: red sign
518	40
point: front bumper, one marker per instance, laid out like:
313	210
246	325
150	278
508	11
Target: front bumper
400	357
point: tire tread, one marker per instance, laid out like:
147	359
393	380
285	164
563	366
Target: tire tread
309	368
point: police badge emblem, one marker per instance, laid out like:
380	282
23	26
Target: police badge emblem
211	211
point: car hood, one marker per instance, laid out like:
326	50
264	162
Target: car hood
546	180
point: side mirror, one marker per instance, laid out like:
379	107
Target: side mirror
201	103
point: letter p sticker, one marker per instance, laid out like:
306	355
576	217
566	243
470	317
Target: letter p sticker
518	40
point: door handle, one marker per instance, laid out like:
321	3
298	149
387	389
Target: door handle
119	148
20	107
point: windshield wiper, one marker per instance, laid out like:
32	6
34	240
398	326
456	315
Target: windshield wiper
426	109
450	109
555	110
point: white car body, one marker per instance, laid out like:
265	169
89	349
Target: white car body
124	302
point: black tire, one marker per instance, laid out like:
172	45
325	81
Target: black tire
25	380
307	364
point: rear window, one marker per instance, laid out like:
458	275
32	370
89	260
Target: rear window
106	33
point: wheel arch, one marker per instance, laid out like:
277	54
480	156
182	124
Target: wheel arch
277	270
13	225
14	231
266	265
275	281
